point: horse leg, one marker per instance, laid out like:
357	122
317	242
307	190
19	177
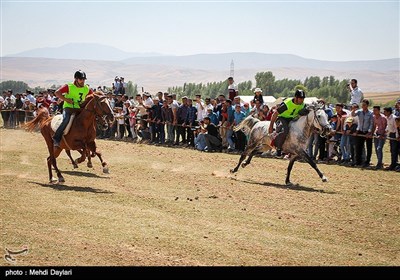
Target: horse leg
289	170
314	165
89	157
68	152
92	147
247	162
51	179
251	150
54	163
242	157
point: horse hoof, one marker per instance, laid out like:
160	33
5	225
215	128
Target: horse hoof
105	170
244	165
289	184
75	166
61	180
53	180
324	179
232	170
90	165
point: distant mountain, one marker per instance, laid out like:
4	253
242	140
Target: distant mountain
46	72
212	62
90	51
263	61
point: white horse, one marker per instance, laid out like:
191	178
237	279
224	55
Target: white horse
296	140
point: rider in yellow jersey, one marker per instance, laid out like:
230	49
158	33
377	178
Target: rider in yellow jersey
73	95
287	111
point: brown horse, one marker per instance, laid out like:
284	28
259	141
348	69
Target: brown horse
81	135
102	123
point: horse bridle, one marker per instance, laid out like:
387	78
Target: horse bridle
97	103
316	118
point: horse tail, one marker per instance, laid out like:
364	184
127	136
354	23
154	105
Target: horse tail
42	115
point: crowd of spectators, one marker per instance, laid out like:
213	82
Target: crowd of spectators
206	124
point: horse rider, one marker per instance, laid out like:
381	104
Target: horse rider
73	95
286	112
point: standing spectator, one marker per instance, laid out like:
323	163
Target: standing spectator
160	97
167	118
391	131
173	104
181	118
350	130
127	105
155	119
20	114
397	108
199	108
258	96
364	129
122	86
236	101
190	121
356	95
246	108
239	116
117	86
30	96
333	140
223	118
232	88
229	126
121	122
212	116
379	131
220	101
342	115
255	111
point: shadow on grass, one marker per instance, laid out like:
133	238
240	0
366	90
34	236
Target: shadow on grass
64	187
294	187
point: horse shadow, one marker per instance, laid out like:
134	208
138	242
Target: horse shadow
64	187
294	187
83	174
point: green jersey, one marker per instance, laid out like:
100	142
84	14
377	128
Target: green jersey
289	110
77	94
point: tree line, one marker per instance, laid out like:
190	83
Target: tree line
328	88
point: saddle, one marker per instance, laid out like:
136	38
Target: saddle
57	120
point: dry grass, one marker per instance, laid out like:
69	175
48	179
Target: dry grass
382	97
164	206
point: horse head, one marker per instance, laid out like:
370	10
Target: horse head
319	118
101	106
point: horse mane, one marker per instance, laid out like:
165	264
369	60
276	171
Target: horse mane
247	124
41	119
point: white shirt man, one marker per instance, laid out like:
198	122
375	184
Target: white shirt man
201	109
148	103
356	95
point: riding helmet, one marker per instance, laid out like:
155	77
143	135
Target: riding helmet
80	75
300	93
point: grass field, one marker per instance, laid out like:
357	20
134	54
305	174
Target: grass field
166	206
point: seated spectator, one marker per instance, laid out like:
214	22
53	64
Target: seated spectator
199	139
213	140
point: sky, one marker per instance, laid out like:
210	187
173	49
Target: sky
326	30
